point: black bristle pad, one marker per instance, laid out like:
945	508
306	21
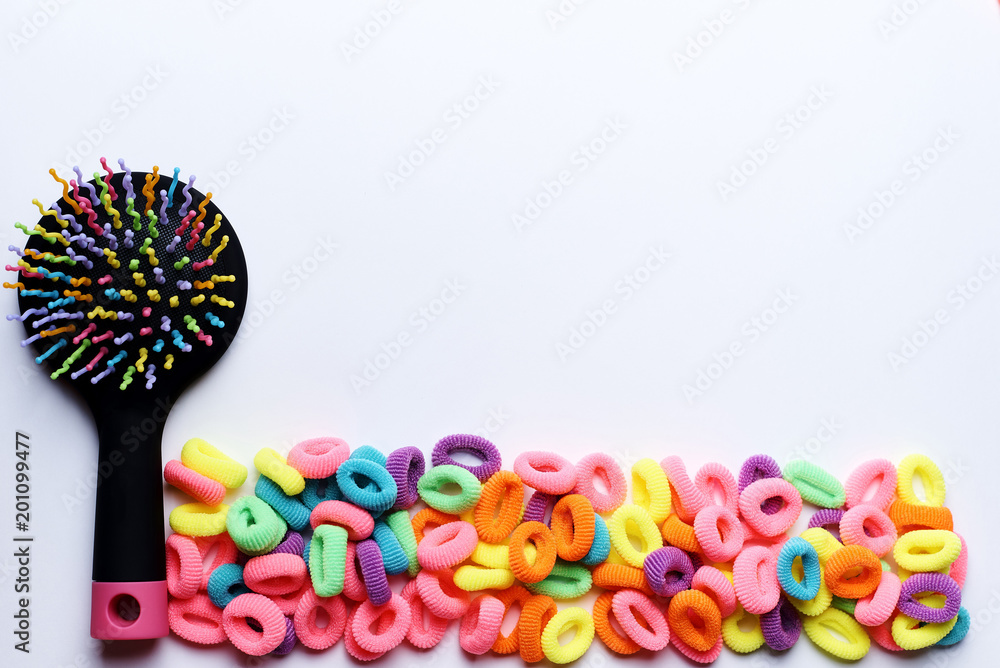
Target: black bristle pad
128	541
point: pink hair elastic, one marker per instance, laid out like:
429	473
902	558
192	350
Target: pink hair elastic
882	634
358	522
481	624
691	498
226	552
960	567
289	603
711	581
719	532
754	496
311	635
876	608
755	578
599	464
693	654
354	586
390	633
862	478
419	636
192	483
275	574
267	616
867	526
546	471
714	475
652	633
448	545
440	595
183	566
196	620
319	458
351	643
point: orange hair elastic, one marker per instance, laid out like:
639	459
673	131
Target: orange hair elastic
505	488
617	643
573	526
678	533
429	516
535	614
510	644
910	517
613	577
545	559
853	572
688	606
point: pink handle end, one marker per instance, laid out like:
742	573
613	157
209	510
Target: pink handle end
128	610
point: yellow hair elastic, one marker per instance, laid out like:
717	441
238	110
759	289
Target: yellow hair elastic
495	555
909	634
926	550
823	630
477	578
648	533
209	461
738	640
561	622
819	603
273	465
930	474
823	541
650	489
199	519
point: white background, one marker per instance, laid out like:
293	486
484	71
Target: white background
223	73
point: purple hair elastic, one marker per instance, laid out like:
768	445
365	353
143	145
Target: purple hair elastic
827	517
288	644
470	443
930	582
758	467
405	465
373	572
668	570
781	626
534	510
292	543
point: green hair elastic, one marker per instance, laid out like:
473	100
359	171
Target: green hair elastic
430	484
815	484
328	559
565	582
254	526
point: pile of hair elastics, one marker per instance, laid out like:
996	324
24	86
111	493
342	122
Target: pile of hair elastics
327	549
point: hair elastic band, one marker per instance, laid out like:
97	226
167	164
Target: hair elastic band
781	626
668	571
815	484
211	462
430	484
755	579
561	622
472	444
507	490
196	620
603	466
650	489
201	487
184	566
480	626
546	471
317	458
863	477
267	616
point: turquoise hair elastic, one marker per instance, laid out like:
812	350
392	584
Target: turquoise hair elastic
809	586
959	631
319	490
393	557
399	522
601	547
226	583
367	484
293	511
371	454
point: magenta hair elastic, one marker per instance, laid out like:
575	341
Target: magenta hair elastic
196	620
628	606
481	624
711	581
713	476
351	643
420	636
546	471
358	522
319	458
757	493
755	579
876	608
691	498
601	465
862	478
867	526
267	616
192	483
275	574
183	566
719	532
448	545
440	595
476	445
396	609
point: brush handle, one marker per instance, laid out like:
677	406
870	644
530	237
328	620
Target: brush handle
129	552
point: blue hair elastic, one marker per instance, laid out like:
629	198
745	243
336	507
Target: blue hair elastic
601	547
226	583
393	556
809	587
379	491
319	490
369	453
293	511
959	631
